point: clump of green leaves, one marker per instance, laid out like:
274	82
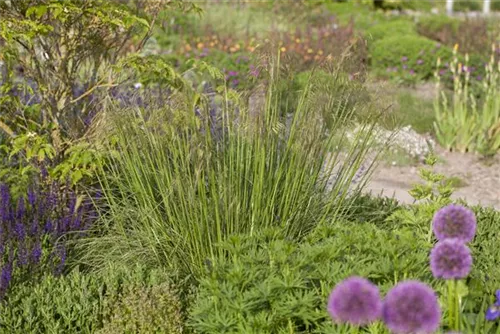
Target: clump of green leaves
466	124
91	303
144	309
269	284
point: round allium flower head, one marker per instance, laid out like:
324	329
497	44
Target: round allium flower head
356	301
450	259
454	221
411	307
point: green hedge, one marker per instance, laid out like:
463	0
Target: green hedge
411	57
387	29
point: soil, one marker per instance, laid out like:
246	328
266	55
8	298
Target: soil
480	178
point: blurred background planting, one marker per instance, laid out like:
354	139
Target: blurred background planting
216	166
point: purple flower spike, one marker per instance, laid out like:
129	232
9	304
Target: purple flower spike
21	209
36	253
454	221
31	197
450	259
355	301
5	277
411	307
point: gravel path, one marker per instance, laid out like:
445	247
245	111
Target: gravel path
482	180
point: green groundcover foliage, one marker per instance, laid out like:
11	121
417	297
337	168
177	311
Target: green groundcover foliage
270	284
117	301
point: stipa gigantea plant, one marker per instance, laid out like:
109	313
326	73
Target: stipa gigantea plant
184	180
467	123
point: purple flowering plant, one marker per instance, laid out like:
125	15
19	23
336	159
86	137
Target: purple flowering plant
454	221
35	230
355	301
493	312
411	307
450	259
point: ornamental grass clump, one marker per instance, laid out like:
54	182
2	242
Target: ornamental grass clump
177	189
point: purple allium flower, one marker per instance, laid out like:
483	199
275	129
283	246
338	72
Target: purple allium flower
479	78
411	307
420	62
454	221
356	301
442	72
450	259
405	67
493	311
412	71
403	59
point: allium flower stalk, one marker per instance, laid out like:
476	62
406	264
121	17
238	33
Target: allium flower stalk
454	221
411	307
355	301
450	259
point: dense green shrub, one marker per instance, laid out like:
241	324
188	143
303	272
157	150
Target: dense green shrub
392	28
83	303
143	308
411	58
272	285
472	35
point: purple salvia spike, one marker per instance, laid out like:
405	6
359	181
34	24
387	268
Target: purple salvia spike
4	202
34	227
20	231
22	255
36	253
31	197
5	278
